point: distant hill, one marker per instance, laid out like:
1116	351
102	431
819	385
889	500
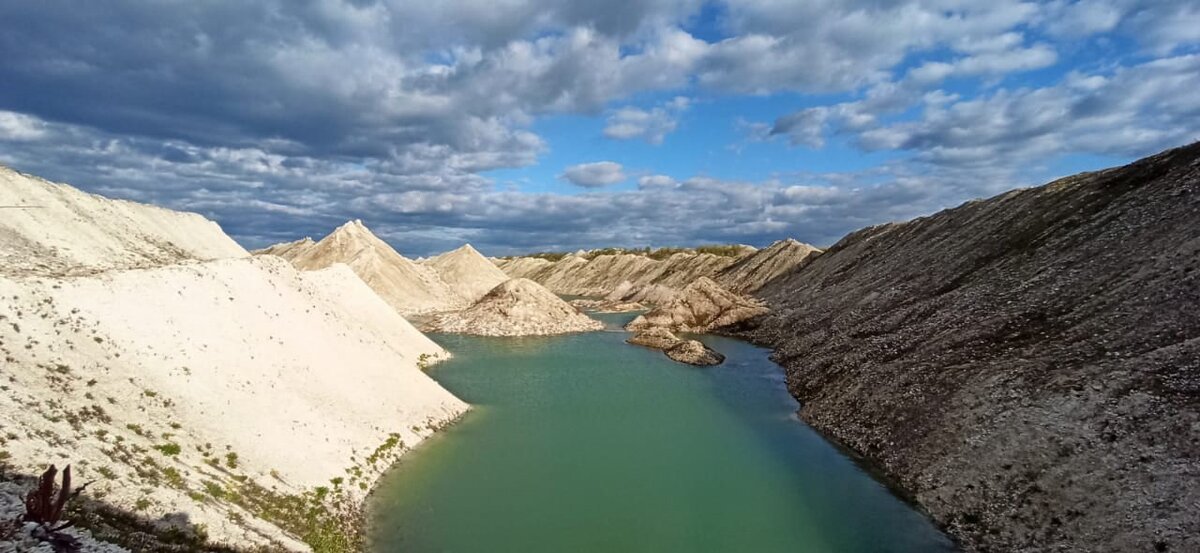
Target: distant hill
408	286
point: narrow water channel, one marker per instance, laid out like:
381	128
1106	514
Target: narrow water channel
582	443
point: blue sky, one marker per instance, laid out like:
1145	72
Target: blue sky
524	125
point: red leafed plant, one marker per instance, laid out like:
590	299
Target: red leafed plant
45	507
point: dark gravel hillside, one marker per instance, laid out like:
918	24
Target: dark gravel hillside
1027	367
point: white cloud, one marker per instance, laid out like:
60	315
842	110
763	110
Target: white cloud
17	126
830	46
990	59
653	126
656	181
991	63
1135	111
309	111
1082	18
594	175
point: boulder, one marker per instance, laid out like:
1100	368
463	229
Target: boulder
693	352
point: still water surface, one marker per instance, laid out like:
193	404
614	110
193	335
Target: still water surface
583	443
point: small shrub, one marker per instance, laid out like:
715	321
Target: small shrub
173	477
214	489
231	460
171	449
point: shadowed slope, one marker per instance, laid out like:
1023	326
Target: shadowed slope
1027	367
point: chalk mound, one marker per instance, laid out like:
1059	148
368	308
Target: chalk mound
128	328
516	307
700	307
409	287
467	272
51	229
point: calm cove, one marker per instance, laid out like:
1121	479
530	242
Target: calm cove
582	443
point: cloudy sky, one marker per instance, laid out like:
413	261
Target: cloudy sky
523	125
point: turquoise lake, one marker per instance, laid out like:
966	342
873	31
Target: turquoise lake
582	443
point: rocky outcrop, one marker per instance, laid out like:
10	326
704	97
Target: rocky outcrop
752	272
409	287
467	272
654	337
692	352
700	307
1024	367
517	307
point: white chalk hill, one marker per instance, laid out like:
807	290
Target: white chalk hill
467	272
134	337
54	229
409	287
517	307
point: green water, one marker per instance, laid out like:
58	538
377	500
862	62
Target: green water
583	443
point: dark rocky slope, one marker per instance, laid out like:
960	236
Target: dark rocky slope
1026	368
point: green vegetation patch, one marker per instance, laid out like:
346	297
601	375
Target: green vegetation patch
170	449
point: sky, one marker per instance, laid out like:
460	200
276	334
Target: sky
531	125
